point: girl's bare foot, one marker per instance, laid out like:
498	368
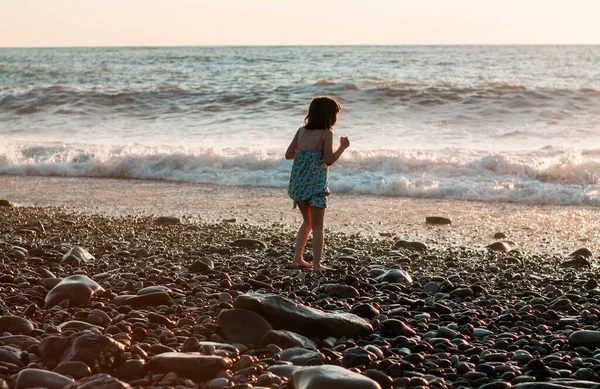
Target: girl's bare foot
321	268
301	265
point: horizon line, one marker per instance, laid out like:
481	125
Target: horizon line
303	45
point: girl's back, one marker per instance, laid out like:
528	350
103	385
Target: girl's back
310	139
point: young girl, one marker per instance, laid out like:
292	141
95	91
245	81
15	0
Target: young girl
312	152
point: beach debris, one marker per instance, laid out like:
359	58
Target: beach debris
437	220
499	235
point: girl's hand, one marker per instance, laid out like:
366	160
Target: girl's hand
344	142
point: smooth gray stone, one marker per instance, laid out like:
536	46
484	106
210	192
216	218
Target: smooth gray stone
243	326
284	370
287	339
38	378
286	314
15	325
299	356
99	381
99	352
396	276
191	365
331	377
557	384
78	289
585	338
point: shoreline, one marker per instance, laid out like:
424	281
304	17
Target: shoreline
534	228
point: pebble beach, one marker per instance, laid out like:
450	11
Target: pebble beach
128	299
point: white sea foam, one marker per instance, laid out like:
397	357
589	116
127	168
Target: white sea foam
546	176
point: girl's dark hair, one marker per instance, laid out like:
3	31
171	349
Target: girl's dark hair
322	113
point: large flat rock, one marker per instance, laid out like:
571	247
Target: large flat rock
191	365
331	377
286	314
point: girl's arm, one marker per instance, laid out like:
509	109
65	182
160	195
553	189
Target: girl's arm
329	156
291	150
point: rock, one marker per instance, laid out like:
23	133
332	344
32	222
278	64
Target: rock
300	356
154	289
6	203
587	338
582	252
365	310
99	352
75	369
77	256
287	339
155	298
190	365
21	341
410	245
243	326
132	368
38	378
499	235
15	325
437	220
357	356
78	325
201	265
249	243
331	377
499	246
12	355
343	291
167	220
396	276
462	292
78	289
391	328
556	384
286	314
576	261
99	381
431	287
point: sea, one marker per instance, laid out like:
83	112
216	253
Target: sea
518	124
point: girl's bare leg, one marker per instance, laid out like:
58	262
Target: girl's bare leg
317	219
302	237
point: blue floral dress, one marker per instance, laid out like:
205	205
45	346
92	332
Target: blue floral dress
309	178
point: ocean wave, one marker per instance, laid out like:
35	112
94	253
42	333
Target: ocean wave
492	100
545	176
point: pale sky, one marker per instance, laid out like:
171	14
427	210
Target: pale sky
39	23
